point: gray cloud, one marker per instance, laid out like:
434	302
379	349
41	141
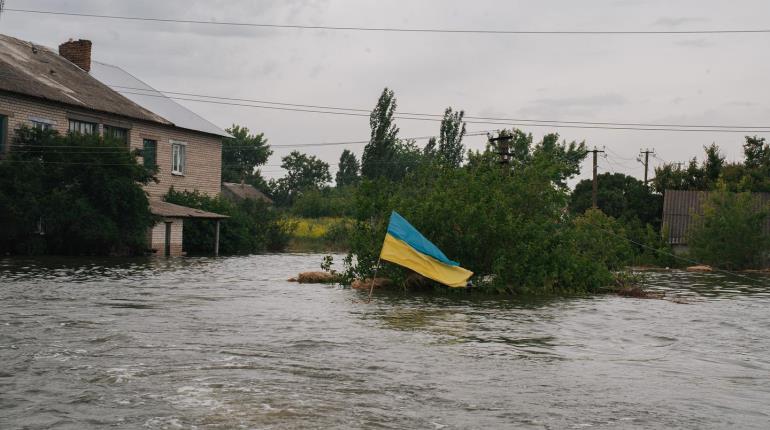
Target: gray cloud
695	43
559	107
677	22
598	78
742	104
583	101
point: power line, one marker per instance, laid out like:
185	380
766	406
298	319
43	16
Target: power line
617	155
500	123
158	93
292	145
96	162
414	116
615	166
399	29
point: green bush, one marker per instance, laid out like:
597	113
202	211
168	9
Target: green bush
326	202
603	239
650	246
252	227
730	234
72	195
619	196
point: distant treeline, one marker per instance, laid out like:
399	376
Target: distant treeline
518	227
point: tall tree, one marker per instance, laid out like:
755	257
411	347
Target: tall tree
429	150
696	176
242	154
558	161
407	156
450	142
619	196
756	172
348	169
757	152
712	166
672	176
564	158
379	152
303	172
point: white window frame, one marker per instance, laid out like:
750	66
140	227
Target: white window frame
81	123
42	123
178	149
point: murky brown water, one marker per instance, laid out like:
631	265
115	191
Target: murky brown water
227	343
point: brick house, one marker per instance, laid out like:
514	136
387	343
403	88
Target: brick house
67	92
240	192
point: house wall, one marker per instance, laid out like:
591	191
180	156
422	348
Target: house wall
157	237
203	153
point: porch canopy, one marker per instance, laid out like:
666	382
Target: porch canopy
170	210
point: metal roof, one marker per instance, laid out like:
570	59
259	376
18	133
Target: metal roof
151	99
244	191
680	206
170	210
37	71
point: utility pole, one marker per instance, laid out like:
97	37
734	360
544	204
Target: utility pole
502	144
646	161
596	182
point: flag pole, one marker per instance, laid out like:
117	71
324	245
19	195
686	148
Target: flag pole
374	278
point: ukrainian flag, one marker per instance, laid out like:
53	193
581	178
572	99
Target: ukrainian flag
407	247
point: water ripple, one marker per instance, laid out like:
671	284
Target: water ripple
228	343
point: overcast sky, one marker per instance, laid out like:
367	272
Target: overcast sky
687	79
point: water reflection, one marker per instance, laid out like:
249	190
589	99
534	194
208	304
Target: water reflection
711	285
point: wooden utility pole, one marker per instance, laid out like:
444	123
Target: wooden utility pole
646	161
596	182
502	144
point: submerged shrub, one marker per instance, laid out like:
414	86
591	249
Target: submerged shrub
729	233
602	238
510	228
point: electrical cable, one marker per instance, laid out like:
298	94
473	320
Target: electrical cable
437	117
508	124
396	29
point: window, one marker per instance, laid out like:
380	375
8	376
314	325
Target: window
150	153
116	133
42	123
83	127
3	132
178	157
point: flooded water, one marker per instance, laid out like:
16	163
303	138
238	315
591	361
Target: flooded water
228	343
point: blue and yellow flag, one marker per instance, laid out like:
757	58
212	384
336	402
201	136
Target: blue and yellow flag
405	246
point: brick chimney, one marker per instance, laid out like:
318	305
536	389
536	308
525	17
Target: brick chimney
78	52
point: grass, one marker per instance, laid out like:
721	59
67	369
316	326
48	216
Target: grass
319	235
